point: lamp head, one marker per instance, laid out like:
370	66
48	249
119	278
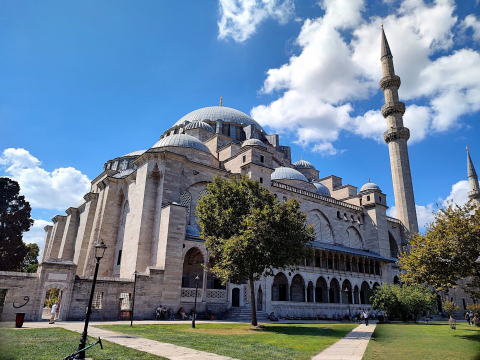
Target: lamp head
100	250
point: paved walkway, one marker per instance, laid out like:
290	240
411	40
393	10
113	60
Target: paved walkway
351	347
158	348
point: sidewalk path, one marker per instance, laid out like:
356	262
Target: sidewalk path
351	347
166	350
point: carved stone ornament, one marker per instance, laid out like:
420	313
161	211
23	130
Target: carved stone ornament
395	134
394	107
390	81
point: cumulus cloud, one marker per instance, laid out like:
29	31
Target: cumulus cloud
339	66
458	195
240	18
36	233
58	189
472	22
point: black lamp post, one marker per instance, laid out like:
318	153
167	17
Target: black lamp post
195	306
99	252
133	297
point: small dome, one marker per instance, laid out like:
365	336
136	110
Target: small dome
287	174
192	230
303	164
370	186
199	125
182	140
253	142
321	189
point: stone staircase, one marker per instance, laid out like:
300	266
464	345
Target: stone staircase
244	314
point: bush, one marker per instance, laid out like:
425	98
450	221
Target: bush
450	307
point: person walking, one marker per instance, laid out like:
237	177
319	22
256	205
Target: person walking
54	312
365	316
467	317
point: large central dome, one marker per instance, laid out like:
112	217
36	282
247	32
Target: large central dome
214	113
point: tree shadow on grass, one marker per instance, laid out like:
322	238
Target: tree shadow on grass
306	331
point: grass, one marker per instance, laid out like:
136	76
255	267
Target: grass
56	343
432	341
276	341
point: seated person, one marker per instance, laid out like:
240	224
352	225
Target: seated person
272	317
158	312
170	314
182	313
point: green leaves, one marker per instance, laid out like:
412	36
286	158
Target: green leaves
446	252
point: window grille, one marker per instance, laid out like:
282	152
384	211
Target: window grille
186	200
97	300
124	301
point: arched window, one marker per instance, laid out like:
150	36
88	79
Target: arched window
347	296
393	246
321	293
280	287
364	293
353	238
334	292
192	266
321	226
297	289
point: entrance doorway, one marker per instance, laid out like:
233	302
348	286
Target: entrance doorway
260	299
236	297
51	296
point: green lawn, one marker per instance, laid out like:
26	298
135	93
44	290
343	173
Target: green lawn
56	343
417	341
276	341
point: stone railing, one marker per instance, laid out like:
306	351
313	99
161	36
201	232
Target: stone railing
216	294
394	220
316	196
190	293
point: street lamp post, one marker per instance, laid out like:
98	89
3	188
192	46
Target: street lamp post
99	252
133	297
195	306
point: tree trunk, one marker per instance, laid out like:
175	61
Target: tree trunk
252	302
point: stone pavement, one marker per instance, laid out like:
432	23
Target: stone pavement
166	350
351	347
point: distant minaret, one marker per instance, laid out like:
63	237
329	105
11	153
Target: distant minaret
474	193
396	137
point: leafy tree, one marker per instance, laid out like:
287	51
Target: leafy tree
14	221
450	307
403	301
447	252
249	232
30	260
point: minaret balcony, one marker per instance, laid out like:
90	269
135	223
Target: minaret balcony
475	194
390	81
393	107
395	134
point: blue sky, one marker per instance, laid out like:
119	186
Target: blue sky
86	81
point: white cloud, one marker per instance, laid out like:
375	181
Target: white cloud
458	195
240	18
58	189
331	73
36	233
471	21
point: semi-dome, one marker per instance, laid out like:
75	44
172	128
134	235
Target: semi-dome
199	125
192	230
370	186
303	164
285	173
214	113
321	189
182	140
253	142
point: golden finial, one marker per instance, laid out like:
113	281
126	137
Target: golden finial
221	100
467	147
301	157
382	24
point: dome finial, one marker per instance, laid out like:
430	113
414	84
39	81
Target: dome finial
221	100
369	179
301	157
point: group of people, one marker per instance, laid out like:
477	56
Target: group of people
469	317
161	313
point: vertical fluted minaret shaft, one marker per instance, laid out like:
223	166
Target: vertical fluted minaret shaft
396	137
474	193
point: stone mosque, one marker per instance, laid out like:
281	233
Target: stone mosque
142	205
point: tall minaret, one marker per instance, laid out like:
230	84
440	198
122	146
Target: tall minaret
474	193
396	137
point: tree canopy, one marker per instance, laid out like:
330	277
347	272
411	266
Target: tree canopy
446	252
14	221
249	232
30	261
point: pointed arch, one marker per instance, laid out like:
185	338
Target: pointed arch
321	225
334	291
192	266
297	289
321	290
347	295
280	287
393	246
364	293
353	238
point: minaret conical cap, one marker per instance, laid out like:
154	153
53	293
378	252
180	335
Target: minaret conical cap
385	47
471	169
